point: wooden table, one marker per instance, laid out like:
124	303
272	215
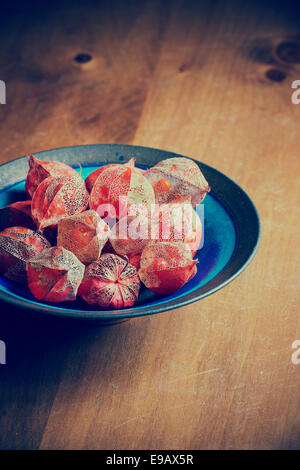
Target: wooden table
206	80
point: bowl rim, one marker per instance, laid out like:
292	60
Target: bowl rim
186	299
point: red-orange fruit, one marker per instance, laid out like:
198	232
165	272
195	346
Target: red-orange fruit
166	266
121	186
18	245
134	260
17	214
84	234
58	197
177	179
110	282
55	275
40	170
162	185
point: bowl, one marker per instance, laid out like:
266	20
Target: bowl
231	232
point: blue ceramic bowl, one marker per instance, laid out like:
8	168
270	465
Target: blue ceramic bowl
231	232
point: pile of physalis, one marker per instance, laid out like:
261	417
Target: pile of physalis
100	238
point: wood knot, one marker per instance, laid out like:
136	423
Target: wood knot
288	52
83	58
275	75
183	68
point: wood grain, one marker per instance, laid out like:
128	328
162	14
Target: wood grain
191	77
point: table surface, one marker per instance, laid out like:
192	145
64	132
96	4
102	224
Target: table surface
211	80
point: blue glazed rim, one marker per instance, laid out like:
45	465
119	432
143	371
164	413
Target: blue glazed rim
237	203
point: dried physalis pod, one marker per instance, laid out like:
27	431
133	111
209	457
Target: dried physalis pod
177	179
110	282
17	214
166	266
92	177
55	275
179	222
18	245
130	235
169	222
58	197
120	187
40	170
84	234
